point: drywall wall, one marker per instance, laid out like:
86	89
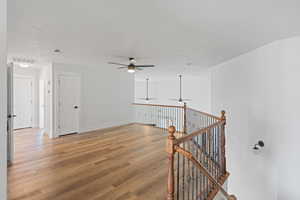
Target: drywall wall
3	96
260	92
197	88
106	95
34	73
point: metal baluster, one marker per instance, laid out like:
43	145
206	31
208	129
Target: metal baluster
193	168
168	117
214	151
183	172
178	174
164	118
197	156
176	117
206	161
188	173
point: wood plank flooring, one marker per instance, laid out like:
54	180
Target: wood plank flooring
127	163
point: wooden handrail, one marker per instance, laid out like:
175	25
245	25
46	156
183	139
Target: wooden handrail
204	113
199	132
204	171
212	140
157	105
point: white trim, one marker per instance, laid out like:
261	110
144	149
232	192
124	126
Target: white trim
10	111
42	107
56	132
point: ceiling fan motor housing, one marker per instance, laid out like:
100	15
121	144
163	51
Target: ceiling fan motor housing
131	66
131	60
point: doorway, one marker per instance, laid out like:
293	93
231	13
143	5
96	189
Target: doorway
23	102
68	103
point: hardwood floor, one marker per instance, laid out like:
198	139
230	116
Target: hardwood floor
127	163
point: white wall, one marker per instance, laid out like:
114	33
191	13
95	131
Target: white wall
260	92
3	96
34	73
197	88
106	95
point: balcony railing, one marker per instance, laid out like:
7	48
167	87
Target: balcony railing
197	160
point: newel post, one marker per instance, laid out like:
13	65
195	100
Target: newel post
223	141
184	118
171	152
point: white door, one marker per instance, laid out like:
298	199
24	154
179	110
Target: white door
23	102
10	114
68	104
42	104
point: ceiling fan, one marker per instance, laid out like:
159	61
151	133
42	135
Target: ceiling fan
180	100
147	91
131	67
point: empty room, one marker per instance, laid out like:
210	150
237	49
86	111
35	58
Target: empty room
149	100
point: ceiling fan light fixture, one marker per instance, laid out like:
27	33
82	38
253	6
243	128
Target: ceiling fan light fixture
131	71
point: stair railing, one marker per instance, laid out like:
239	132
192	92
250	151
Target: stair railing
196	150
161	116
196	161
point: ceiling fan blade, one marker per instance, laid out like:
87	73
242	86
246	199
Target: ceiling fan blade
113	63
138	69
122	67
145	65
147	99
181	100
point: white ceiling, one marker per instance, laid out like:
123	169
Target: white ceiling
169	33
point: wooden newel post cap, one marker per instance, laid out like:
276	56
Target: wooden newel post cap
171	130
232	197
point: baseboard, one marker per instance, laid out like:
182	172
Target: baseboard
18	129
144	124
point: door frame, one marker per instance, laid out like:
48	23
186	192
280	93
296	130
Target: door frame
32	94
57	75
42	105
10	114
